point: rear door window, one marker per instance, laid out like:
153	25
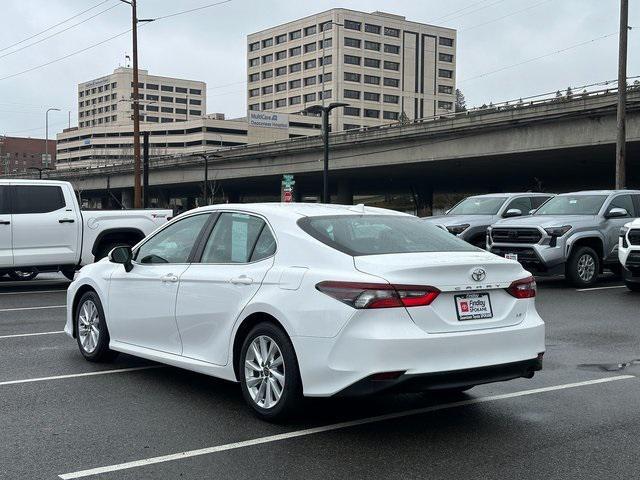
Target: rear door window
4	200
234	239
37	199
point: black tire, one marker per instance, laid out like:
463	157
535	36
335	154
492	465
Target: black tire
633	286
291	398
70	273
101	351
103	250
573	270
23	275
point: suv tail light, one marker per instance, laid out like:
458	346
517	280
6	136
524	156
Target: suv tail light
525	288
379	295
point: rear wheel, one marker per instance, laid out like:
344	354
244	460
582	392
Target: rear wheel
23	275
583	267
269	374
633	286
91	329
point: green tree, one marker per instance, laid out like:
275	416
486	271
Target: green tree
461	103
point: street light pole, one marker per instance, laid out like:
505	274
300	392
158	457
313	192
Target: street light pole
205	157
621	138
46	133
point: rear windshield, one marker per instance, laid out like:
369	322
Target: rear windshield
379	234
478	206
572	205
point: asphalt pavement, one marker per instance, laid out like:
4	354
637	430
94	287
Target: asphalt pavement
62	417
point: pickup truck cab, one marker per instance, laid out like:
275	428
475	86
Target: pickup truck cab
575	234
42	228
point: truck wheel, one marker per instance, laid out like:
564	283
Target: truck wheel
633	286
583	267
23	275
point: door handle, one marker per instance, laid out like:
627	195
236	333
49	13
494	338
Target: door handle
170	277
242	280
4	222
66	220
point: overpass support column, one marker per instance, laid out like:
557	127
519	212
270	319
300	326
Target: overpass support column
126	198
423	197
345	192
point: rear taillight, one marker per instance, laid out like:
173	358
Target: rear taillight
378	295
525	288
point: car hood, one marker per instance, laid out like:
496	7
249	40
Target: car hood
546	221
472	220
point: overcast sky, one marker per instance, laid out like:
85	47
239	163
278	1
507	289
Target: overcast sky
210	45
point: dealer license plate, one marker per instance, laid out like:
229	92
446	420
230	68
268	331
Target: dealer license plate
511	256
473	306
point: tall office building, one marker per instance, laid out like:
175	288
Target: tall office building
385	67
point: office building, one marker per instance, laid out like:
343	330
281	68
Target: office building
18	154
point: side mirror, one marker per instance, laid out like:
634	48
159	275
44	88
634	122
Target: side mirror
512	212
123	256
616	212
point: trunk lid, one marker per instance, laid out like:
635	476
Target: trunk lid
451	273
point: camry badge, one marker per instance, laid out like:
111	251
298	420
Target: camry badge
478	274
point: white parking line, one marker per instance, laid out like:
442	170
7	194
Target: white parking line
31	308
76	375
33	291
598	288
18	335
328	428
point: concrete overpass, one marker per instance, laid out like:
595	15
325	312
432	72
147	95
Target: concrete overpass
554	145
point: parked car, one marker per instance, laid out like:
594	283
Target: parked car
42	229
296	300
629	254
469	218
575	234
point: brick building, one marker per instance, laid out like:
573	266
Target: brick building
17	154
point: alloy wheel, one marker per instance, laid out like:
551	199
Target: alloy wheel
264	372
88	326
586	267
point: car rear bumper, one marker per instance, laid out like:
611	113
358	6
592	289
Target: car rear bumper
382	341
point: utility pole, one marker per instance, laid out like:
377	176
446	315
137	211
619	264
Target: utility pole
46	133
621	140
145	170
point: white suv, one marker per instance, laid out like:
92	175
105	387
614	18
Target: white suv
629	254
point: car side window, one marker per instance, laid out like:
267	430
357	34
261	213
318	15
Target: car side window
4	200
537	201
265	246
523	204
37	199
174	243
234	238
623	201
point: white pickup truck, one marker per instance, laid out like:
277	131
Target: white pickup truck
42	229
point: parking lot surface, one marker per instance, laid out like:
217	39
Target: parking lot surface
63	417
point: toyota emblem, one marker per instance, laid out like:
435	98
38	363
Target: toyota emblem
478	274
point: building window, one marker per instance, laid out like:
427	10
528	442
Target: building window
166	110
351	25
310	30
352	77
351	111
81	94
295	67
295	35
181	100
445	89
310	97
195	112
151	108
350	126
445	73
295	84
195	91
281	71
390	115
371	62
153	98
267	105
181	111
114	85
372	96
327	43
281	87
372	79
326	60
281	38
352	42
267	42
184	90
372	28
281	55
113	96
370	113
166	88
445	57
295	51
371	45
254	106
391	48
447	42
152	86
310	47
390	98
391	32
281	102
310	64
310	81
445	105
254	92
166	120
351	60
355	94
166	99
267	74
391	65
195	101
326	94
114	118
268	89
254	46
327	77
326	26
152	119
267	58
253	77
294	100
391	82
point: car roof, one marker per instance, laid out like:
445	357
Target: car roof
600	192
513	194
32	181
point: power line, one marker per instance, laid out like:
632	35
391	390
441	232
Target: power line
183	12
59	32
53	26
539	57
475	10
504	16
459	10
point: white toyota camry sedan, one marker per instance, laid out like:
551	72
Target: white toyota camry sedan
294	300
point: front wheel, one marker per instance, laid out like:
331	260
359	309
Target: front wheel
91	329
269	374
583	267
23	275
633	286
